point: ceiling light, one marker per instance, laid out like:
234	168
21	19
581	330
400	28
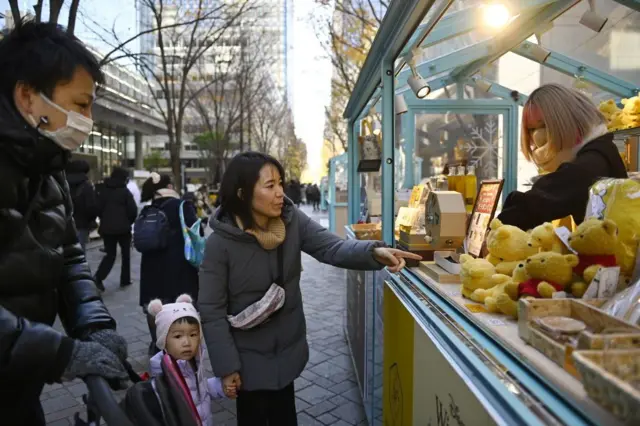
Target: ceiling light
592	20
400	105
419	86
540	54
495	15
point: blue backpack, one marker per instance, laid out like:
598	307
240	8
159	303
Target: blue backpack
151	229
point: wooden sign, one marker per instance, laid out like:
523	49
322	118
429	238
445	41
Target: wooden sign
483	211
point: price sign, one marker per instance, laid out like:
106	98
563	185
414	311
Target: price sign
483	211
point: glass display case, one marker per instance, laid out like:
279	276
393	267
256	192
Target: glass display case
431	359
337	194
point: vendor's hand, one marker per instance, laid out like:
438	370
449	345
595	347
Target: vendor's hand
111	340
231	384
393	259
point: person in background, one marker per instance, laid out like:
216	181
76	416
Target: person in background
85	204
316	197
48	80
118	212
254	254
132	186
166	274
566	136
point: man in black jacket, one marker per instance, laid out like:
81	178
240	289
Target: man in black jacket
83	195
47	85
118	210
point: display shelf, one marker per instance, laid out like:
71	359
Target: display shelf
542	385
626	133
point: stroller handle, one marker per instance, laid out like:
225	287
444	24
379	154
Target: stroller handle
103	398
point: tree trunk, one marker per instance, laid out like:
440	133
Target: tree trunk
15	12
176	169
38	9
54	10
73	13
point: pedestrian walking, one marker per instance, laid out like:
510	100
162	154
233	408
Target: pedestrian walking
47	87
83	195
253	264
118	211
165	273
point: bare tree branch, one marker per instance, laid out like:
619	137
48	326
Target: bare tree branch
15	12
73	12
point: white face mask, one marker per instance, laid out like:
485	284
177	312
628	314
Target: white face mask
73	134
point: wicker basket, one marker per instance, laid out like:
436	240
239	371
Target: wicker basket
606	377
597	321
367	231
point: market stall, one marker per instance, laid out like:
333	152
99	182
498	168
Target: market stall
337	194
445	82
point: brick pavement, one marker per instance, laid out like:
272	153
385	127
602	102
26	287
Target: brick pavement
326	393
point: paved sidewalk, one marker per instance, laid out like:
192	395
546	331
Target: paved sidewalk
326	394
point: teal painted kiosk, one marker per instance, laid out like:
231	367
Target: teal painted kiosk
448	78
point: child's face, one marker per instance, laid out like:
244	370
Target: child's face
183	340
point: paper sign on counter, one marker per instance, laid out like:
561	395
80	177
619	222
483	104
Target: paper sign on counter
563	233
604	284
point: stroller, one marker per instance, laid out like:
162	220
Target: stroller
164	402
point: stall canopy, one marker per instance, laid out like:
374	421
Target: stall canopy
490	55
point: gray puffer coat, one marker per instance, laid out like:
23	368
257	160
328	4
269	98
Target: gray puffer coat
237	272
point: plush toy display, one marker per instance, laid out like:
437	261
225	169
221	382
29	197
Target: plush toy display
547	272
618	200
596	242
626	118
475	274
508	245
544	238
489	296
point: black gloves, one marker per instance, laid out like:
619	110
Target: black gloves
93	359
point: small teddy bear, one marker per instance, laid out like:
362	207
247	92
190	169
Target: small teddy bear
489	296
596	242
546	273
508	245
544	238
475	274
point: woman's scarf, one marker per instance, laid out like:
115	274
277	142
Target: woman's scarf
269	238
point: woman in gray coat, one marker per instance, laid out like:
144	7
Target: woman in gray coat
257	242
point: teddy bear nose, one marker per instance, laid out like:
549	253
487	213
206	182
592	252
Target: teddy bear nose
569	239
530	245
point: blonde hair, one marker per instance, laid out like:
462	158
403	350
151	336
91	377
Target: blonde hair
568	116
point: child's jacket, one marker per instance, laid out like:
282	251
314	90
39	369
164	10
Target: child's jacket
202	389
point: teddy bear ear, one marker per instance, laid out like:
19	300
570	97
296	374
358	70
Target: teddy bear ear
610	227
549	226
155	306
184	298
501	233
495	224
464	258
572	260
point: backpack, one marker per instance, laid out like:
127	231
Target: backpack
151	229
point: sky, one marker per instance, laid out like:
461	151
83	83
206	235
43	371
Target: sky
311	69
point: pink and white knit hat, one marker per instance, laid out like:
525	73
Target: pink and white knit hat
165	315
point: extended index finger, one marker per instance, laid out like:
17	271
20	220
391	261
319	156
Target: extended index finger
406	254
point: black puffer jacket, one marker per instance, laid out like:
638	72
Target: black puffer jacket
43	270
85	203
117	207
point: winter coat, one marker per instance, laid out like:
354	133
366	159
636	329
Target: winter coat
566	191
237	272
43	270
202	390
85	202
118	209
166	274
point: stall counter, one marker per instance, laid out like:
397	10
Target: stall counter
444	365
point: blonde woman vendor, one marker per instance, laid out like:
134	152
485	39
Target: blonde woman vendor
566	136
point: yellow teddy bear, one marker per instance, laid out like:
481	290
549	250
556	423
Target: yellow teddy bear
544	238
504	284
475	274
508	245
546	273
596	242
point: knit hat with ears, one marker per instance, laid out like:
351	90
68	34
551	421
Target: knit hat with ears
166	315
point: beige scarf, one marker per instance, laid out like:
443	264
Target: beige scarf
548	160
269	238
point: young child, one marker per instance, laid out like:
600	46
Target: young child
179	334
